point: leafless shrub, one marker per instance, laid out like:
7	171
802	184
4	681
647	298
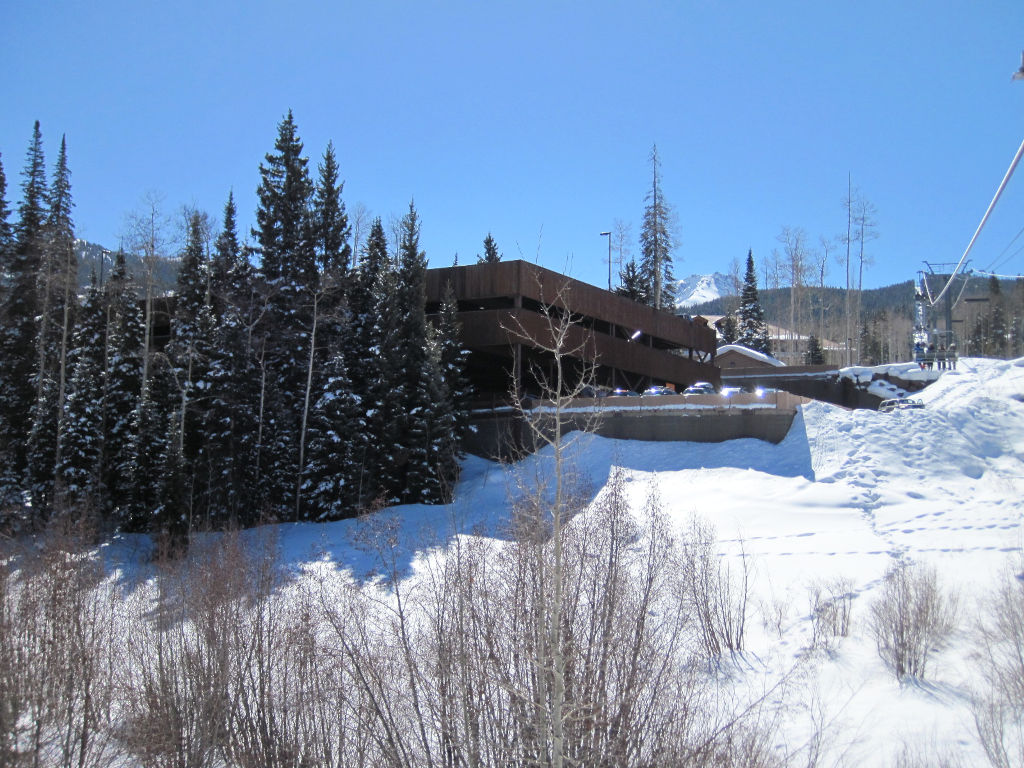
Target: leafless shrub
831	605
458	666
226	667
56	628
919	757
177	686
775	613
716	594
910	618
999	707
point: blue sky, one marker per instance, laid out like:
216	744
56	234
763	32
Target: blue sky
534	121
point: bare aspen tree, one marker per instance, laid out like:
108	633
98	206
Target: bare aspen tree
563	341
825	248
795	265
866	229
306	398
847	240
147	236
361	218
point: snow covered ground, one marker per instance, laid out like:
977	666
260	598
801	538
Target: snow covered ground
845	496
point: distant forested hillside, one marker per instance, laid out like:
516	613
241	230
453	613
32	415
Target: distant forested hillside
897	299
91	259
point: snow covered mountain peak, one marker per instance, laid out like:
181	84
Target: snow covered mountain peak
697	289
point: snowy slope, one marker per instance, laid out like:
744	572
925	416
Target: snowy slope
696	289
845	496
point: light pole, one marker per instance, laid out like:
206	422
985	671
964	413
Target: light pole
609	236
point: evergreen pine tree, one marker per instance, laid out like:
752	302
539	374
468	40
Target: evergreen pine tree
980	335
331	477
656	243
1016	340
171	515
368	289
403	466
158	423
331	230
424	438
283	231
632	284
441	427
56	290
997	323
230	276
453	357
79	471
730	329
18	313
814	354
61	241
189	350
374	371
122	393
288	267
6	233
229	450
41	446
491	255
753	330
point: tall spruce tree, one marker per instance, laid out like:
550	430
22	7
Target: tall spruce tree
189	351
331	230
329	319
453	360
61	241
373	370
331	475
80	471
282	222
230	439
814	354
56	289
125	332
491	255
632	284
656	242
1016	314
424	440
752	328
6	233
288	266
18	330
730	329
230	278
998	335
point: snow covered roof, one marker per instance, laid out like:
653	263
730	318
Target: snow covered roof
753	354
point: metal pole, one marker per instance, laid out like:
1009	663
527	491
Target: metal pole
609	235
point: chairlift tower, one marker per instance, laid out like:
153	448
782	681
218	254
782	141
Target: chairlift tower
939	275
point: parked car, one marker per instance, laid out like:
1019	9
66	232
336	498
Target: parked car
656	390
899	404
620	392
700	388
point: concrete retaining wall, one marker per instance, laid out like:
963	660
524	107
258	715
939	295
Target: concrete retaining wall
505	435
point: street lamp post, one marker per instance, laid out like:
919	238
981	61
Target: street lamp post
609	236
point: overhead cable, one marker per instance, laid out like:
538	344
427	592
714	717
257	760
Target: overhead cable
1002	186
